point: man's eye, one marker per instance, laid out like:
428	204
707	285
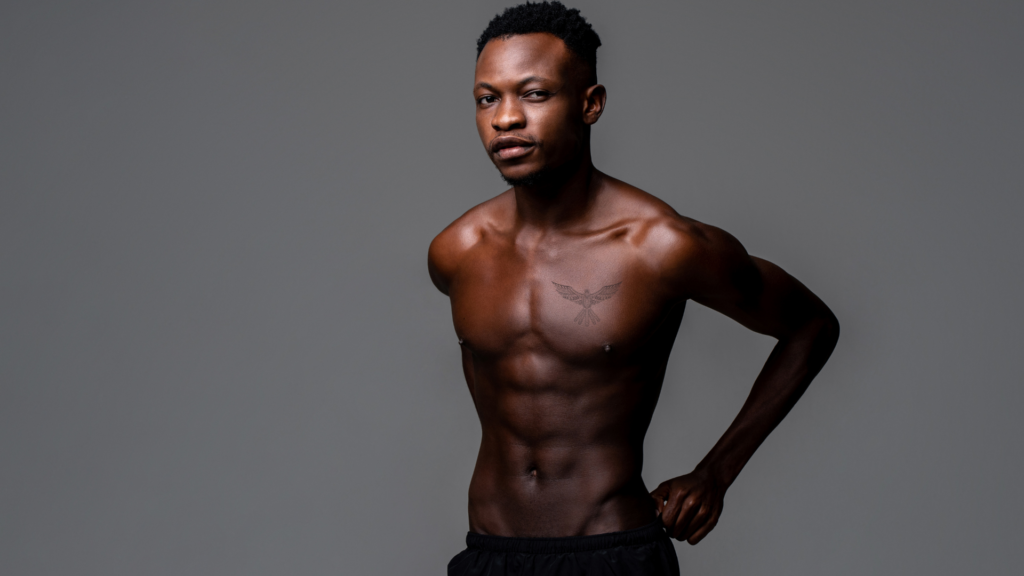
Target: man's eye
485	99
537	94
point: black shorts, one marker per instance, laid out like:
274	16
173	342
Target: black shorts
645	551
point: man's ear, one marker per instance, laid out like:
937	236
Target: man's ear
593	103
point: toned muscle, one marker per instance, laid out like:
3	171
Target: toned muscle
565	337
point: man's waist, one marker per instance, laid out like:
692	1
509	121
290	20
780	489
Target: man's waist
645	534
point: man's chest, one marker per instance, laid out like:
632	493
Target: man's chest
576	301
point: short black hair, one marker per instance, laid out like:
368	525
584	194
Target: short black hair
553	18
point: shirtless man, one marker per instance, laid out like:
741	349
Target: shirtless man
567	292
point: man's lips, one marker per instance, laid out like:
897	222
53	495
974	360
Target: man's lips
514	152
510	147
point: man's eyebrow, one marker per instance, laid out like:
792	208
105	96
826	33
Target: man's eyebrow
529	79
526	80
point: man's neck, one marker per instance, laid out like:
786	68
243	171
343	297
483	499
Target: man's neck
560	204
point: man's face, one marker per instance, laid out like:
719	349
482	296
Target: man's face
529	104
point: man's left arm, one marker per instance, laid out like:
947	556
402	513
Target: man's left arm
715	270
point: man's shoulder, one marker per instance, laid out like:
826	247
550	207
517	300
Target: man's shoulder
448	247
468	229
663	238
654	227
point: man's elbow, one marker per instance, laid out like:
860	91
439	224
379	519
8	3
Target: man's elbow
827	326
818	326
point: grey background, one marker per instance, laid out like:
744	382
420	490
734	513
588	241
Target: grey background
220	352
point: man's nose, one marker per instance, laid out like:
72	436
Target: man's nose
508	115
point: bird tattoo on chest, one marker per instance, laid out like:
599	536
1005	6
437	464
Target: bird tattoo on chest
586	317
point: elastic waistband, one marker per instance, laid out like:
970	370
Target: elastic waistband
643	535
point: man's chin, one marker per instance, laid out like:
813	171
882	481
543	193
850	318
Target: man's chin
545	177
529	180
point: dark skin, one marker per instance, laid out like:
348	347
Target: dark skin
566	297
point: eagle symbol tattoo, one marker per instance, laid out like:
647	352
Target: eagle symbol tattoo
586	317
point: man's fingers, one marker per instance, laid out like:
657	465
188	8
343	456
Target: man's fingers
660	499
707	527
661	491
690	507
699	520
670	511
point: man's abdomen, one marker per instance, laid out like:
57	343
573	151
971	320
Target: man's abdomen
560	460
558	491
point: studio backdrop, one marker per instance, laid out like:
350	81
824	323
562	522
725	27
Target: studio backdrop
220	352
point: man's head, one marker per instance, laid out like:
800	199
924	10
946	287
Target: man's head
551	18
536	91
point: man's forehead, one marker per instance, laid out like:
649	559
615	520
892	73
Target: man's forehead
522	56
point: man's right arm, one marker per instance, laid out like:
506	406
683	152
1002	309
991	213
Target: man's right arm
443	258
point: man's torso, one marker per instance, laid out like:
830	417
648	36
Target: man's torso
565	339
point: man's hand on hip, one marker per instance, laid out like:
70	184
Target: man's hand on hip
690	505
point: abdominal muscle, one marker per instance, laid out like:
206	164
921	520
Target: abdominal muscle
559	460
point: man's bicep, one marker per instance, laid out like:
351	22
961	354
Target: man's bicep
763	297
720	274
715	269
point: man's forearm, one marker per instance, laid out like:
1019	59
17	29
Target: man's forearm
789	370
